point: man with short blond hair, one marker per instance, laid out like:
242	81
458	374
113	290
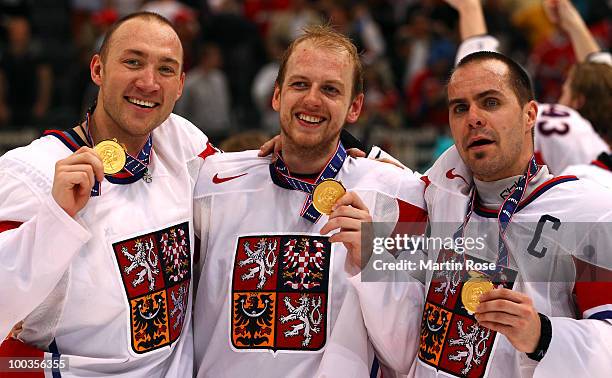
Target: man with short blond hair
272	264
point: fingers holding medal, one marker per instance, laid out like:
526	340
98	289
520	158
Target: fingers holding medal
347	212
74	177
112	155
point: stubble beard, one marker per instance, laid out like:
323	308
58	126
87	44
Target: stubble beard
486	168
307	148
123	126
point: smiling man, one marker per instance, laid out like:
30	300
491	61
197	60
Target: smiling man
95	254
272	276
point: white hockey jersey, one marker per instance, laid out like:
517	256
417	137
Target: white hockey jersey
110	289
562	136
271	286
560	231
598	171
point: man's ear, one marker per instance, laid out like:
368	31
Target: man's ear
530	113
579	101
355	109
276	98
181	86
96	69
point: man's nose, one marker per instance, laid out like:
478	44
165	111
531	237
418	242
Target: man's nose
475	118
313	97
147	80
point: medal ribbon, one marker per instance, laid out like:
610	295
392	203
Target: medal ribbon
282	177
135	167
504	217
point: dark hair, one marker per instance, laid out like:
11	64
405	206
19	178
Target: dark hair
594	82
325	37
517	77
145	15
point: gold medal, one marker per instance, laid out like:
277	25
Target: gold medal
472	290
112	155
325	195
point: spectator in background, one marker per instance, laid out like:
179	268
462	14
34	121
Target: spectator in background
206	96
289	24
246	140
243	54
425	97
25	77
185	23
356	23
380	108
169	9
263	84
125	7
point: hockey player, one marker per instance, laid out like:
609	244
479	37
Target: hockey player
95	254
593	80
563	134
540	316
272	276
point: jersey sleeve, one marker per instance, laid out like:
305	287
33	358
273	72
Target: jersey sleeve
38	240
475	44
391	303
391	313
584	345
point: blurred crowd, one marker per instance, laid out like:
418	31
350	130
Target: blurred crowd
232	47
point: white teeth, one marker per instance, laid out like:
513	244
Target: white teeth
136	101
311	119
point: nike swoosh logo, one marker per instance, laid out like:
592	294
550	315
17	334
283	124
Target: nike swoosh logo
451	175
219	180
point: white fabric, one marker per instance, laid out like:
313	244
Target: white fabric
603	57
62	274
252	204
475	44
590	172
564	138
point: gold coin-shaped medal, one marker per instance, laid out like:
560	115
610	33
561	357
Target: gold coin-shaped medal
325	195
112	155
472	290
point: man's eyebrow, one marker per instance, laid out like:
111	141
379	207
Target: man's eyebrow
165	59
170	60
135	52
478	96
301	77
488	93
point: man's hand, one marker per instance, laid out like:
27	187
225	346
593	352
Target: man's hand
273	145
512	314
347	215
562	13
74	178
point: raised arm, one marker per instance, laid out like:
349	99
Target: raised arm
473	29
471	18
563	14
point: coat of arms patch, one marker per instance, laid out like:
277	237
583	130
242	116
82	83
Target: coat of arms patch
280	292
156	271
